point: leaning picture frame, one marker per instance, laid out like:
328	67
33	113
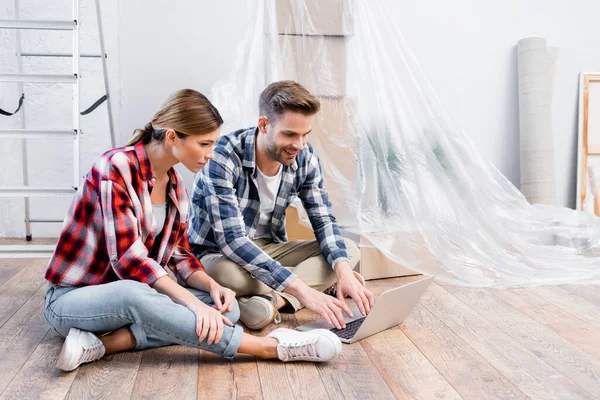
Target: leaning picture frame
588	154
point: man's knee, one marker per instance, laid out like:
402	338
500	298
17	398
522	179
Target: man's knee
230	275
222	269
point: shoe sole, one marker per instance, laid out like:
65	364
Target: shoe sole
269	311
63	363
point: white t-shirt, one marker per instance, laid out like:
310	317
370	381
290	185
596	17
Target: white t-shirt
268	186
160	215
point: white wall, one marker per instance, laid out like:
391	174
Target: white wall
466	47
170	46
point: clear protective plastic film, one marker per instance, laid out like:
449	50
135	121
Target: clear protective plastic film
398	171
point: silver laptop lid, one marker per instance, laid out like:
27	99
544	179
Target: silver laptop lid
392	308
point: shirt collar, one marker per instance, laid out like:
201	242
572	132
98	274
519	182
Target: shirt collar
249	160
146	167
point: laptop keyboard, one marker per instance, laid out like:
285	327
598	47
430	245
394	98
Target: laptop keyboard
350	329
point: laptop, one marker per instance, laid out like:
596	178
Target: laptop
390	309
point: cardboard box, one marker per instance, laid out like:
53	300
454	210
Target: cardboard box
374	264
318	63
315	17
296	229
336	144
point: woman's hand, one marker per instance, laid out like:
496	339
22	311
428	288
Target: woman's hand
223	297
209	323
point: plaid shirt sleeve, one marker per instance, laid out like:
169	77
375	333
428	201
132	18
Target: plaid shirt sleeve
229	228
126	250
182	261
316	202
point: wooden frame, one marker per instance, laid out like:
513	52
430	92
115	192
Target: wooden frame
585	149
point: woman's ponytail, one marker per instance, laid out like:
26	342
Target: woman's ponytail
142	135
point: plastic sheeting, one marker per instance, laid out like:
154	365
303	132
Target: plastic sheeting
397	169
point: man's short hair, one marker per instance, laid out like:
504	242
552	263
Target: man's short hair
283	96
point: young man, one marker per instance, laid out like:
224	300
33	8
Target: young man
237	218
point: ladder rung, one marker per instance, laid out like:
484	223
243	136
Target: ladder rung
43	221
35	134
38	78
84	55
32	24
28	191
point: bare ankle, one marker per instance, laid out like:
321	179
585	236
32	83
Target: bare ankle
269	349
120	340
281	302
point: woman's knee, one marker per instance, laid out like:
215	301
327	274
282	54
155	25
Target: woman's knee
234	314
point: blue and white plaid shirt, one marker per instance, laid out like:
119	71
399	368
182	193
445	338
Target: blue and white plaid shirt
225	208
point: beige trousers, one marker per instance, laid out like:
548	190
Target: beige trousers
302	257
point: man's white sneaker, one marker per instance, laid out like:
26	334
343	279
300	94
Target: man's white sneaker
79	347
258	311
317	345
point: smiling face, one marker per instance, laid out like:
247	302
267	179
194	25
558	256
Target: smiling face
193	151
285	136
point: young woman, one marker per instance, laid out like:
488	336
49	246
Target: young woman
109	288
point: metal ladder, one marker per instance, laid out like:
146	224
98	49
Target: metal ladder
26	191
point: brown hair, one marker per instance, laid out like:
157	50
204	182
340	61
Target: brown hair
186	111
286	96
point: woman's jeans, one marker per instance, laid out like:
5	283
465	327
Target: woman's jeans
153	318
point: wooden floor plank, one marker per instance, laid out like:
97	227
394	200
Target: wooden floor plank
289	380
20	336
112	377
352	375
10	266
169	372
532	375
221	379
39	378
576	331
404	368
273	373
572	362
20	287
465	369
470	343
568	301
589	292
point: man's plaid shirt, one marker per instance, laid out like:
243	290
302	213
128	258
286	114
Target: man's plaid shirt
225	208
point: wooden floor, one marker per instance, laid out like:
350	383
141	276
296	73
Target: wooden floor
540	343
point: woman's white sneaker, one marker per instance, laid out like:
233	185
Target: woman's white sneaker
79	347
318	345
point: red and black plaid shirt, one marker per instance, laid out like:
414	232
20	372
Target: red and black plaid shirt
110	231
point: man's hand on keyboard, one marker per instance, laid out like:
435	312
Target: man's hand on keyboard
348	285
328	307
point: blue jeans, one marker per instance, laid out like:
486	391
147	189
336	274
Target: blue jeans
153	318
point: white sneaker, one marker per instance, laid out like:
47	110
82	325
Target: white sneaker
316	345
258	311
79	347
